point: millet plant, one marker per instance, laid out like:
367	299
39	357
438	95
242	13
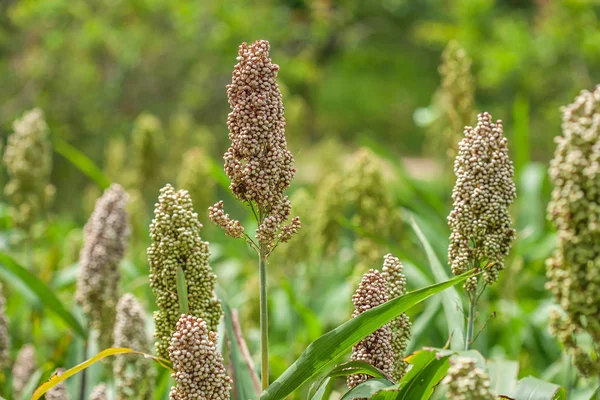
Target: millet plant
198	339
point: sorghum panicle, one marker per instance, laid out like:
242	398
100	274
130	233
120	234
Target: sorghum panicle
574	270
199	370
454	99
376	349
147	143
105	241
466	381
393	273
99	393
194	176
176	242
28	161
481	226
4	335
24	366
373	211
134	375
58	392
258	161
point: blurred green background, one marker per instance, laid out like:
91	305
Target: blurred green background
138	86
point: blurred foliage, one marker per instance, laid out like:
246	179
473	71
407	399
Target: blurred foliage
138	86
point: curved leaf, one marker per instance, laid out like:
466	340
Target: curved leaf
429	366
46	296
367	389
82	162
341	339
531	388
452	303
349	368
55	380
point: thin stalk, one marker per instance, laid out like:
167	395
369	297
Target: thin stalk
471	321
83	373
264	317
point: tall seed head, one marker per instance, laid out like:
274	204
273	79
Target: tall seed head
199	370
28	161
376	349
24	366
176	243
454	99
134	375
4	336
393	273
574	270
99	393
466	381
194	176
105	241
258	161
482	232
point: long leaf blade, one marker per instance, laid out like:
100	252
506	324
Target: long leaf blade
367	389
55	380
341	339
82	162
452	304
46	296
428	369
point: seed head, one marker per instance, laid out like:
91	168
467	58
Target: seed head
58	392
231	226
99	393
176	243
4	336
258	161
393	273
481	227
28	161
24	366
105	241
199	370
454	100
134	375
573	271
376	349
194	176
147	142
466	381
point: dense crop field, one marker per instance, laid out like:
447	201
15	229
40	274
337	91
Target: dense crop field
300	200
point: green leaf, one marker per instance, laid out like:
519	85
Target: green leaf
349	368
531	388
429	366
341	339
503	375
246	386
324	391
55	380
46	296
82	162
451	301
367	389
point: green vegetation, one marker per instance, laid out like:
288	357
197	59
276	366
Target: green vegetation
397	241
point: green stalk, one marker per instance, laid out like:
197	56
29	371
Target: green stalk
264	317
471	321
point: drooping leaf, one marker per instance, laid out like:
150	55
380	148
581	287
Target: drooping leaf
55	380
452	303
47	297
341	339
350	368
81	162
503	375
531	388
429	366
324	391
367	389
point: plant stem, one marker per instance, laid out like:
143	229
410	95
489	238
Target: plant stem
264	317
471	320
83	373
